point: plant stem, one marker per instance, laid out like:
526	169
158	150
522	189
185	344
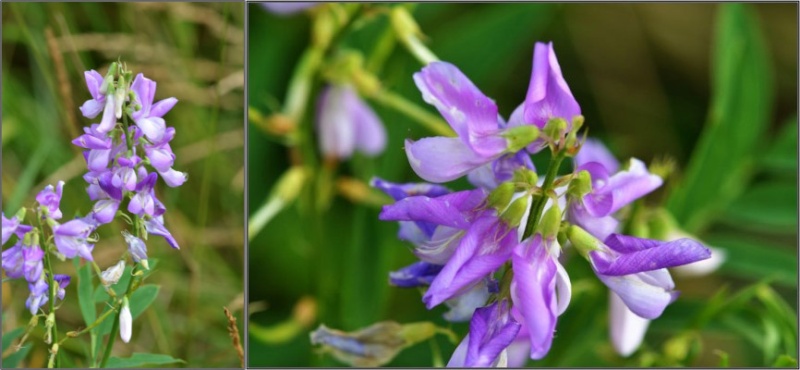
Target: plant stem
54	330
421	116
115	326
536	211
90	327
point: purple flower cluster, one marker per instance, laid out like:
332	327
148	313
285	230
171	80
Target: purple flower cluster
466	239
25	258
346	124
125	160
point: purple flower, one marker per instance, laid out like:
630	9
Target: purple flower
124	176
38	296
345	123
437	223
12	226
540	290
71	238
63	281
13	261
610	194
108	198
149	117
99	102
136	247
485	246
473	116
155	226
144	202
635	269
32	263
50	199
287	8
99	145
414	275
491	331
548	95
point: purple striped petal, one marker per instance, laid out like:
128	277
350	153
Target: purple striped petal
485	246
440	159
491	331
448	210
469	112
399	191
548	94
667	254
533	292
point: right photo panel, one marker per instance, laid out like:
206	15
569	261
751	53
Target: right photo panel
522	185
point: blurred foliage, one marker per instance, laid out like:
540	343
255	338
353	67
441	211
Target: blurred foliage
711	86
195	53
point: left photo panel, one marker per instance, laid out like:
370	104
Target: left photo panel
123	185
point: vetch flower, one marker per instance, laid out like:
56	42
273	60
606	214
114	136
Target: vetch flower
101	100
155	226
32	265
472	115
548	95
345	123
71	238
143	202
491	331
62	280
137	248
149	117
125	321
12	226
13	261
635	269
38	296
50	198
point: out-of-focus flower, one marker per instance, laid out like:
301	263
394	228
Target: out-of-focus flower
71	238
491	331
287	8
50	198
345	123
12	226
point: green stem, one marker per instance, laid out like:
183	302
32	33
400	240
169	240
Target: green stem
413	111
90	327
115	326
536	211
54	329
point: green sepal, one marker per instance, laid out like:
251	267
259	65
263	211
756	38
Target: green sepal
525	176
516	210
550	223
580	185
501	196
555	127
519	137
582	240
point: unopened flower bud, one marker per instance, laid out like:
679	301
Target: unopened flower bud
525	176
112	275
372	346
501	196
119	97
125	321
516	211
519	137
582	240
137	248
550	223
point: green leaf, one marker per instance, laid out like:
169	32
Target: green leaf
85	295
785	361
141	360
781	156
14	359
740	111
9	337
755	259
769	207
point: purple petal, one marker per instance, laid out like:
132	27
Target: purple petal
91	108
448	210
548	94
491	331
632	184
161	158
33	263
152	127
459	354
173	178
336	129
90	141
463	306
162	107
485	247
599	227
533	292
155	226
593	150
13	260
492	174
668	254
441	159
468	111
370	133
647	294
440	247
98	159
414	275
109	119
93	81
145	90
104	210
399	191
287	8
629	244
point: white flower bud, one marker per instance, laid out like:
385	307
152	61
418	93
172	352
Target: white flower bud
125	321
112	275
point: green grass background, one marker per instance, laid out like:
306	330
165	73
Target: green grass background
194	51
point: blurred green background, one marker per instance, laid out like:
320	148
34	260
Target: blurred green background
711	86
195	53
